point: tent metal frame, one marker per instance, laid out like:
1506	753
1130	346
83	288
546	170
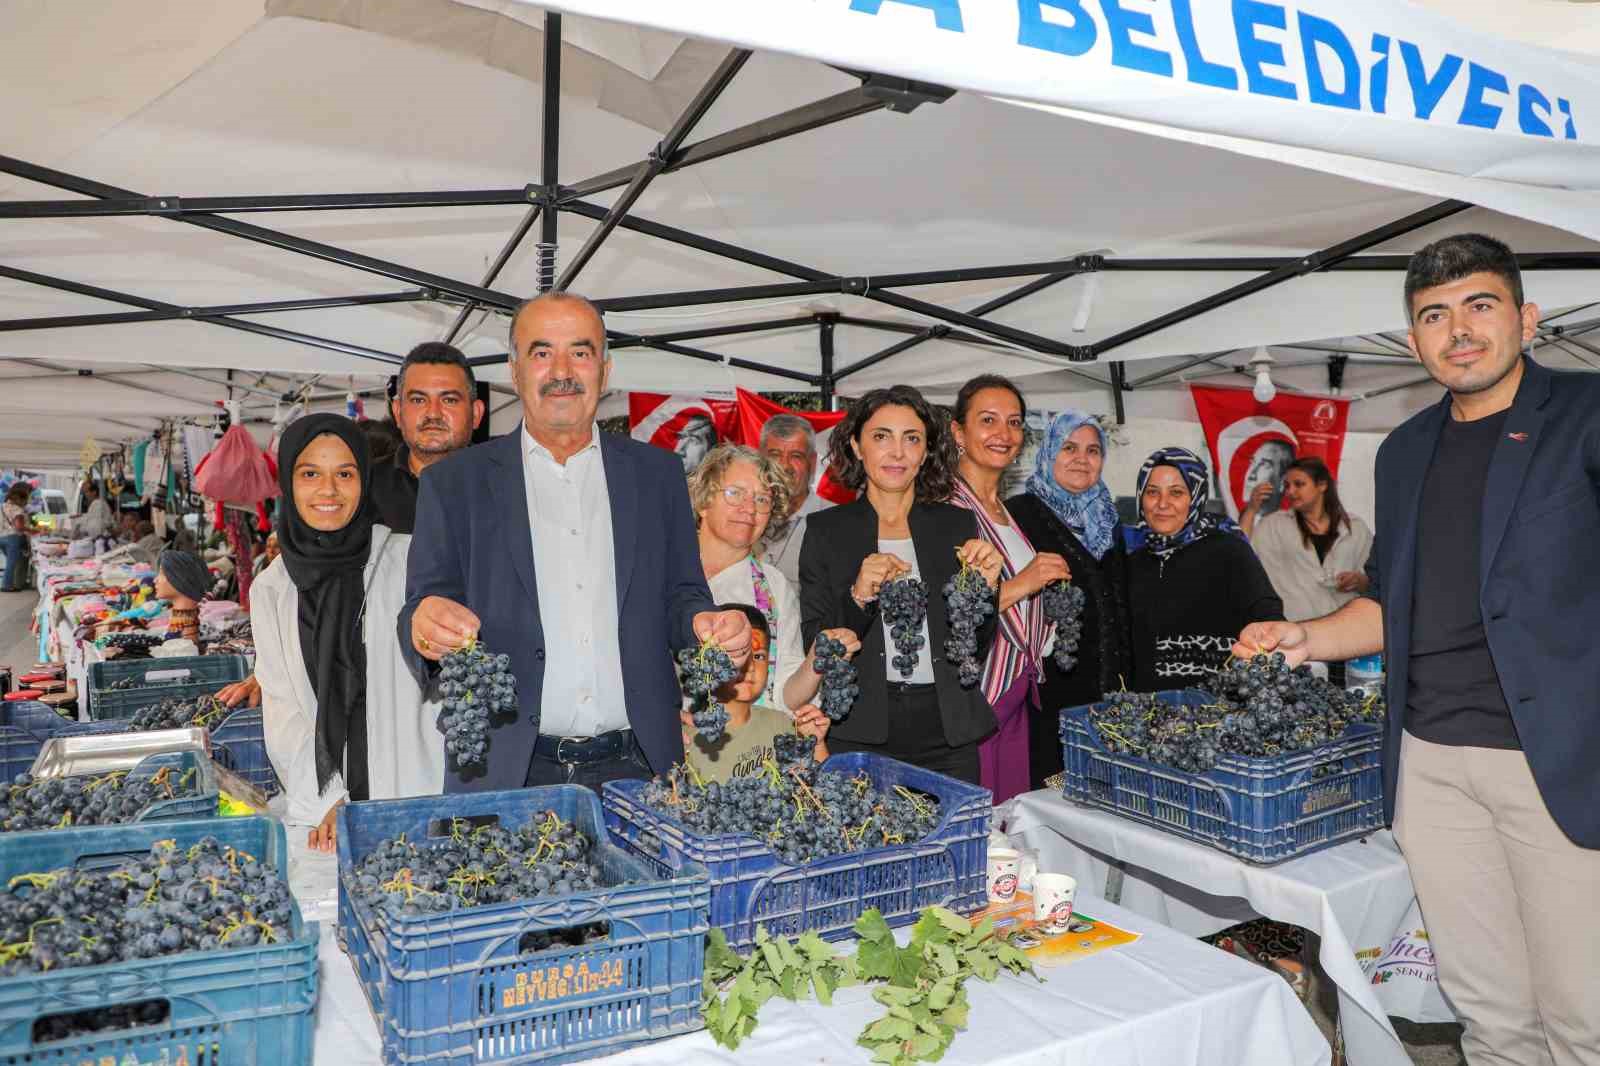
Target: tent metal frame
548	199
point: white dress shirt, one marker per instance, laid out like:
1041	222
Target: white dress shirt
575	569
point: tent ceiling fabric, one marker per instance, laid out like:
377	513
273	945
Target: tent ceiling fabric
320	96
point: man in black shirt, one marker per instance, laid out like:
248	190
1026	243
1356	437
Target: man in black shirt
436	409
1483	597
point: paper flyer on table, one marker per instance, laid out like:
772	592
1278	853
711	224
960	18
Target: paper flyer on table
1085	936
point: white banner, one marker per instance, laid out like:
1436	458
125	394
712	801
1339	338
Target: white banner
1375	79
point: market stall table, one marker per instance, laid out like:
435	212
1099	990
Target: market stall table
1357	897
1165	999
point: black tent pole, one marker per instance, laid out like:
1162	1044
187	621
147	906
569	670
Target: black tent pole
551	146
825	324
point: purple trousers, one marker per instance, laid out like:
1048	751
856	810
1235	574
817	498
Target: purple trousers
1003	758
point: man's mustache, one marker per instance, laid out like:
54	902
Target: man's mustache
562	387
434	423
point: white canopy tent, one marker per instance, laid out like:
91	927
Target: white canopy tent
108	241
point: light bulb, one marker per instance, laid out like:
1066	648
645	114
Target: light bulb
1264	390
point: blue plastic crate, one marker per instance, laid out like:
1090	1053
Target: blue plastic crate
238	743
198	675
246	1006
1263	810
750	885
202	804
459	988
24	727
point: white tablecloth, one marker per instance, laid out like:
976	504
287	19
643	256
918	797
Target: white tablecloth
1166	999
1357	897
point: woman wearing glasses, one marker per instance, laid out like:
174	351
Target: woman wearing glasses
736	491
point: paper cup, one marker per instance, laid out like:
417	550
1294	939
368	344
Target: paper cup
1004	864
1052	901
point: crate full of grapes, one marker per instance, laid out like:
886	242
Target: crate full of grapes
1249	777
121	688
164	787
134	944
506	927
800	848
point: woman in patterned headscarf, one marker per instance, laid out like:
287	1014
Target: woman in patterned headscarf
1067	509
1193	580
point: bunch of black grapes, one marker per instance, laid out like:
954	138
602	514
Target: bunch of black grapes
1260	707
704	669
1063	605
477	687
904	603
478	865
968	600
107	799
134	644
802	813
839	689
204	712
207	897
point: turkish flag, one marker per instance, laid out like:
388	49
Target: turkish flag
1253	443
693	425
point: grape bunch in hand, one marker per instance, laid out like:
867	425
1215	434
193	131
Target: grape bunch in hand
968	601
904	602
476	685
1063	605
704	670
839	688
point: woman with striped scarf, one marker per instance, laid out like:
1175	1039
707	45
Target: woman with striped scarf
988	428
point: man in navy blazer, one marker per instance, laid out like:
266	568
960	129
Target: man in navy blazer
573	552
1485	601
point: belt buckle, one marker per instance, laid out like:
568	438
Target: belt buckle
560	744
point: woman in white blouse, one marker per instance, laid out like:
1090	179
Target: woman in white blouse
343	717
735	492
1315	552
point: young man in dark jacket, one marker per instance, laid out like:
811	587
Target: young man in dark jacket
1484	599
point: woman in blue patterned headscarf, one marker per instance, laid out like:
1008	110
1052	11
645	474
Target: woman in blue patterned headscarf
1067	509
1190	592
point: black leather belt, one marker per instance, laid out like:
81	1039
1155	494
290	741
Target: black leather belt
910	688
575	750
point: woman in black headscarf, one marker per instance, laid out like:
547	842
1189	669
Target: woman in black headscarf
323	617
1193	580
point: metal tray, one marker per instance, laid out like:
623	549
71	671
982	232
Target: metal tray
98	754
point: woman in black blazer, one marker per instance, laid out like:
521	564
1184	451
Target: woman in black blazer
897	452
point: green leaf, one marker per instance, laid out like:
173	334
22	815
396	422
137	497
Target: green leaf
944	957
893	996
871	926
789	984
979	934
929	929
791	957
984	965
942	994
889	1028
815	948
774	957
928	1045
823	984
888	1053
955	1014
888	961
951	920
720	958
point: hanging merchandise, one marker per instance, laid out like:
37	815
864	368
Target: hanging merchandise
138	467
197	444
237	472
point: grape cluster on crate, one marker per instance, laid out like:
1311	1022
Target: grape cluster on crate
206	897
477	686
111	798
969	601
839	689
1263	707
175	712
802	814
704	669
478	865
904	603
1063	605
